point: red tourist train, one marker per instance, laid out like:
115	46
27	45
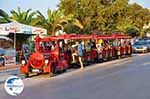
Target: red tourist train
54	53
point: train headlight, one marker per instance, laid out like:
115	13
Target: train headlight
23	62
46	61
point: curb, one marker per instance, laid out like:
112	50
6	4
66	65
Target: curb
8	72
9	67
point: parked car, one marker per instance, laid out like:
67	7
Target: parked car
141	46
148	42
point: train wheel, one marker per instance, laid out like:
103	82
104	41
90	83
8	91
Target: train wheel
27	75
96	60
100	60
51	74
64	70
119	56
53	70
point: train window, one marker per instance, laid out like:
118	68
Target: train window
46	46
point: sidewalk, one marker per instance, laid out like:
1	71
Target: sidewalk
8	71
10	67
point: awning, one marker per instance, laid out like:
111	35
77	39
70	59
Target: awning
5	38
15	27
18	28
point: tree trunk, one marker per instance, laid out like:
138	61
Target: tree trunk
53	31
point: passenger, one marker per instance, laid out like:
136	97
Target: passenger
49	46
88	47
93	46
62	46
69	49
53	45
68	53
100	45
79	53
25	48
99	48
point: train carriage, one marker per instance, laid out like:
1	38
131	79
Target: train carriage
112	47
124	47
90	54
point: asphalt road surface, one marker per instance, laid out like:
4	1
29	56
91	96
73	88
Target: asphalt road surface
127	78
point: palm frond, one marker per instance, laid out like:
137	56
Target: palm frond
25	14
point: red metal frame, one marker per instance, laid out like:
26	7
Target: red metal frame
60	60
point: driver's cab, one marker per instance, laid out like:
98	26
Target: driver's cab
46	47
47	58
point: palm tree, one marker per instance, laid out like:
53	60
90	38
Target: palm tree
24	17
55	20
4	17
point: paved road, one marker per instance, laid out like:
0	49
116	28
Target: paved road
121	79
4	74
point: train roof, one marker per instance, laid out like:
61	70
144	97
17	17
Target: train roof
83	37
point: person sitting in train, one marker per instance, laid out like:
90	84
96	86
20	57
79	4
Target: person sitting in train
48	46
93	45
68	49
62	46
68	52
53	45
88	46
99	47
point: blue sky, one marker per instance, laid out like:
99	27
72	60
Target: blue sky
144	3
43	5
